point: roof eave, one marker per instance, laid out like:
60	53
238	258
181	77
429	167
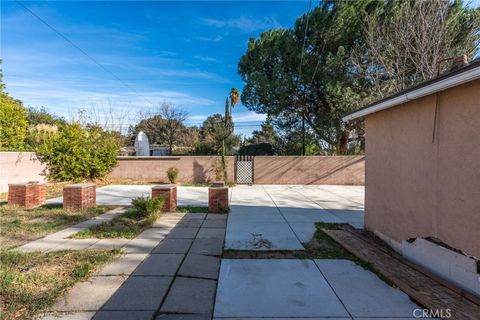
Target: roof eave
453	81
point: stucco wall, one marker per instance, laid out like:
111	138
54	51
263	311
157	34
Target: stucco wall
16	167
190	168
341	170
416	187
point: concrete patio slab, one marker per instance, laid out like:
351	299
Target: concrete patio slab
41	245
124	315
200	266
89	295
215	216
139	293
154	234
109	244
123	265
254	235
182	233
363	293
159	265
274	289
183	317
140	245
215	223
217	233
207	246
189	223
303	230
74	244
190	295
173	246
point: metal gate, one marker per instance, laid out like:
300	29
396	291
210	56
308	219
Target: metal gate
244	169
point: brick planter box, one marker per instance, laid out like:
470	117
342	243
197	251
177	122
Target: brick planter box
79	196
27	195
169	192
218	199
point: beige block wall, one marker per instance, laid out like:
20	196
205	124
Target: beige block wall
340	170
18	167
416	187
190	168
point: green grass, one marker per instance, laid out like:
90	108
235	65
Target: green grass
127	225
31	282
192	209
19	225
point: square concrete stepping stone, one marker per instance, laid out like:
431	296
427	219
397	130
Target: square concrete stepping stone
164	223
184	317
123	265
194	215
215	223
173	246
183	233
208	246
363	293
124	315
42	245
274	289
75	244
105	244
190	223
259	235
139	293
159	265
68	316
153	233
217	216
200	266
140	245
211	233
189	295
89	295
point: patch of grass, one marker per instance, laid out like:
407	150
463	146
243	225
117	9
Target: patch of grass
141	216
192	209
19	225
31	282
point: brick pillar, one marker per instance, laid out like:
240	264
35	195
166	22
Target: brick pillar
27	195
169	193
218	198
79	196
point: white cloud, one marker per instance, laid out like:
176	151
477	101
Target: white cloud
244	23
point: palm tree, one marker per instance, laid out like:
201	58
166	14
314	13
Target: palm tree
234	97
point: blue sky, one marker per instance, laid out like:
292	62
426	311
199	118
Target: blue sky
185	53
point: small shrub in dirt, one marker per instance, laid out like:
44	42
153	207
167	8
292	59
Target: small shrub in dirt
146	206
172	174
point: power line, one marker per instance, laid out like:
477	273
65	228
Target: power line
82	51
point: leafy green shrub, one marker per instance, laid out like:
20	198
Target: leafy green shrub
76	153
13	123
146	206
172	174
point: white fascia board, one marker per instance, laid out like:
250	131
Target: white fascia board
441	85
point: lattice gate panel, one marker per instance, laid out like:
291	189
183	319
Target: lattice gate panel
244	169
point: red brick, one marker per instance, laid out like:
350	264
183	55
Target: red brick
218	199
27	195
169	193
79	196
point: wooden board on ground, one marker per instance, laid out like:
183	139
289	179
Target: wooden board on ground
424	289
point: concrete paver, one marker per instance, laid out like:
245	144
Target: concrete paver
217	216
207	246
123	265
159	265
124	315
140	245
216	233
274	288
182	233
74	244
190	223
190	295
183	317
89	295
139	293
350	283
173	246
200	266
215	223
109	244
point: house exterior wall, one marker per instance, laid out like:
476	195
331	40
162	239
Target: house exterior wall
417	187
19	167
339	170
